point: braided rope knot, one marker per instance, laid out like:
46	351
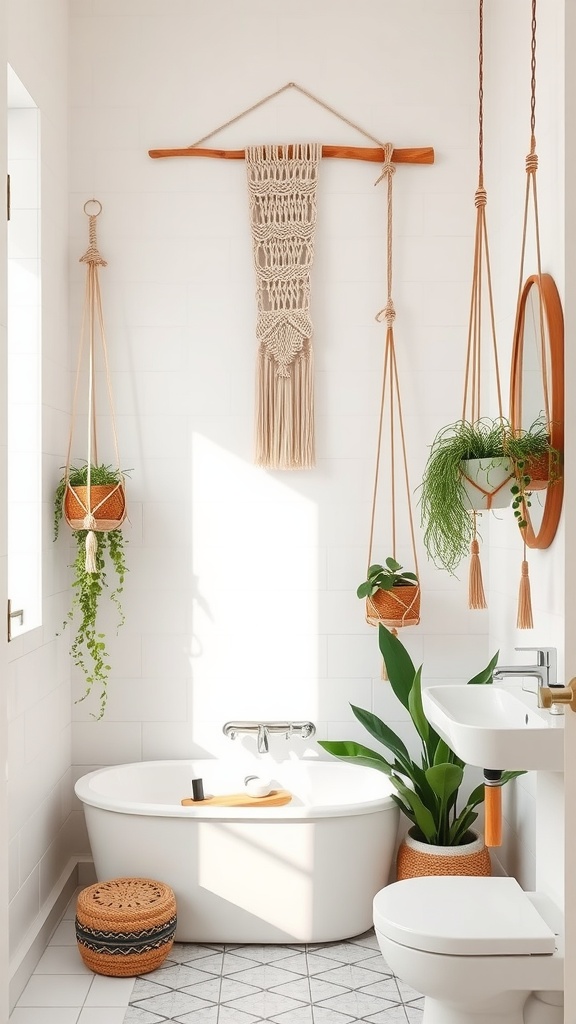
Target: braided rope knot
531	163
89	522
388	314
480	197
388	169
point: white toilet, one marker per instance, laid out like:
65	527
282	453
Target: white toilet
481	950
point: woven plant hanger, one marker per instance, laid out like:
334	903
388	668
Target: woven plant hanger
524	618
481	276
391	410
94	511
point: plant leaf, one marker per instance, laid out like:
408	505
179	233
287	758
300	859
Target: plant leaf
423	816
398	663
356	753
393	564
485	676
415	708
445	780
381	732
364	589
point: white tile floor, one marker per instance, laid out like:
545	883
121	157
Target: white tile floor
63	991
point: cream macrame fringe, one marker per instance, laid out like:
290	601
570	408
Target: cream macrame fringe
282	184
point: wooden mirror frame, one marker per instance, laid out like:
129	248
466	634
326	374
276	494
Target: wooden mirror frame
554	325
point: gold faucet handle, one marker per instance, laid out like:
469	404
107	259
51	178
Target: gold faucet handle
559	695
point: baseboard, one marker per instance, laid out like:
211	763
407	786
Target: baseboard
24	960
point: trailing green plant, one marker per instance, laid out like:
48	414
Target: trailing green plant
385	577
88	649
526	448
428	790
445	517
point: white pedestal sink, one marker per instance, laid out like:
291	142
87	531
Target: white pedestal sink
496	727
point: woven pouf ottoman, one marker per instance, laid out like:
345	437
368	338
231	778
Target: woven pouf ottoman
125	926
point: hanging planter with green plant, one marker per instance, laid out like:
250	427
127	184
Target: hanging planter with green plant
446	500
91	497
392	595
88	649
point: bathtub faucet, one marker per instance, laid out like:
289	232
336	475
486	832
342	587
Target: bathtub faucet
264	729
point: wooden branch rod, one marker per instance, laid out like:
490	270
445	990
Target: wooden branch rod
376	155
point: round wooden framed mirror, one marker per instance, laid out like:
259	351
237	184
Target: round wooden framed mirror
537	390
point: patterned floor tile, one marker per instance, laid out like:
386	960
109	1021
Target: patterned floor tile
228	989
393	1015
353	976
230	1015
407	994
212	963
357	1004
206	1015
265	976
265	954
387	988
297	989
322	1015
179	976
208	990
136	1015
303	1015
172	1004
143	988
184	952
367	939
266	1004
346	952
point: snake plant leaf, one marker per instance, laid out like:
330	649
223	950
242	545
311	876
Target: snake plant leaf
415	707
399	665
485	676
382	732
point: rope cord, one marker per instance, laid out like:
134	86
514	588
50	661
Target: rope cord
531	193
92	318
481	274
271	96
390	377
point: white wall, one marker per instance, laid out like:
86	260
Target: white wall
3	561
507	142
240	601
38	677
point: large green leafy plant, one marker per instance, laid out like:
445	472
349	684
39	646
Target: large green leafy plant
426	791
88	649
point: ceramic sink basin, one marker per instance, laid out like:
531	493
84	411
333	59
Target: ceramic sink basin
496	727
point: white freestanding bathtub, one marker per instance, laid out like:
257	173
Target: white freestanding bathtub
304	872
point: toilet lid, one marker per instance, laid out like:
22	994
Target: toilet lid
462	916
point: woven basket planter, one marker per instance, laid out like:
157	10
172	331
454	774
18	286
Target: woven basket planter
397	607
539	471
416	859
486	483
126	926
107	504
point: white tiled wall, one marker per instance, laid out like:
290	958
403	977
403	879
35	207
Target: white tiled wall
38	678
240	599
4	853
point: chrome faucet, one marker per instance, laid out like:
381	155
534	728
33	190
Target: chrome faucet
545	669
264	729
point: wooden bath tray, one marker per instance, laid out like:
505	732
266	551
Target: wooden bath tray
276	798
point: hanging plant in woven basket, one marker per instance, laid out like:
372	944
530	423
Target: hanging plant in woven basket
392	594
91	498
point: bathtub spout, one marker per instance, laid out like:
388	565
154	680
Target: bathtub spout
262	739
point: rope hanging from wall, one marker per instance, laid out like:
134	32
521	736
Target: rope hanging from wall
400	605
524	617
481	294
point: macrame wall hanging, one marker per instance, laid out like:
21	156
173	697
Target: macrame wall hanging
481	294
398	604
282	191
94	507
282	184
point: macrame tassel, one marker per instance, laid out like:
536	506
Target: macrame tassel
285	412
91	543
524	620
476	595
91	551
383	671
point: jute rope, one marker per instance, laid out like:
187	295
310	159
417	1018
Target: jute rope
525	618
408	613
481	275
92	326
